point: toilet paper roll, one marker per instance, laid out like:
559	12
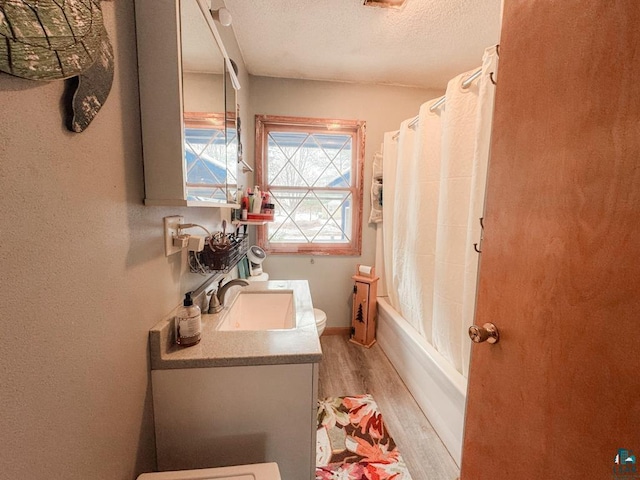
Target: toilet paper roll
364	270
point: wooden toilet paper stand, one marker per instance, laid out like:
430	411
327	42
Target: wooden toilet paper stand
364	312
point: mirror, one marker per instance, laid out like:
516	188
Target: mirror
209	107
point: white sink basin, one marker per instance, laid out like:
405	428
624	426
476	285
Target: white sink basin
260	310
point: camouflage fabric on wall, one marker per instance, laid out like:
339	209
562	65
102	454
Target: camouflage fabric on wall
59	39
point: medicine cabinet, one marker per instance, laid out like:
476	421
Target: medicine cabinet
188	102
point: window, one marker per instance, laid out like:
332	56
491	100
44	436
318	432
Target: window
312	169
206	147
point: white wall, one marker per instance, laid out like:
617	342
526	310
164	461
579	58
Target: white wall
383	108
202	92
84	277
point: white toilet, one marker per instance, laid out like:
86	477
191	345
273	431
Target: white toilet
258	471
321	320
321	317
263	277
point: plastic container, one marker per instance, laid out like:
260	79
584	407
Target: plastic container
257	200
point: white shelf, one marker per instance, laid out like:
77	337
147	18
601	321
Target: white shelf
249	222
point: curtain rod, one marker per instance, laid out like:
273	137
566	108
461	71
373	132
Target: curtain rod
466	84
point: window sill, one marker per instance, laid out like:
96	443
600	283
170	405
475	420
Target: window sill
343	251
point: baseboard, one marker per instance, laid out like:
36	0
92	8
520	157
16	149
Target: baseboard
346	331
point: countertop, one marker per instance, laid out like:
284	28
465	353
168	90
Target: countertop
240	348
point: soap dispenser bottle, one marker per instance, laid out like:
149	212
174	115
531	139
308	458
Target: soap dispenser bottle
188	323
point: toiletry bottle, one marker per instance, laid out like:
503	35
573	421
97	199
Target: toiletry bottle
237	213
188	323
257	200
245	205
251	197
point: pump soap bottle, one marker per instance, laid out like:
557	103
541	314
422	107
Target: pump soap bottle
188	323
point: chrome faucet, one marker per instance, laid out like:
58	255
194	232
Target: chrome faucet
222	291
214	303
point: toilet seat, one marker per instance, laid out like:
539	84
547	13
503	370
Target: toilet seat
263	277
258	471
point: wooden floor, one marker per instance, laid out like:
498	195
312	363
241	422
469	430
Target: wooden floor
348	369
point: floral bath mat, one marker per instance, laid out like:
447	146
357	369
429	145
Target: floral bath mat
353	443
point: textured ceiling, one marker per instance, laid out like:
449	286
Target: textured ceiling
199	50
424	43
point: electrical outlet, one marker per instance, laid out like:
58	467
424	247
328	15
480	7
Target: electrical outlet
170	231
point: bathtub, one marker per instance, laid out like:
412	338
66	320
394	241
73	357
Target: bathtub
438	388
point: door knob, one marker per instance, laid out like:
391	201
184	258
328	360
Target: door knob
486	333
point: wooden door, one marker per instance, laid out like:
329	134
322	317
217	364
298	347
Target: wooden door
559	396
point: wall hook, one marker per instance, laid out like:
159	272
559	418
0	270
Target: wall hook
482	222
475	247
491	78
498	49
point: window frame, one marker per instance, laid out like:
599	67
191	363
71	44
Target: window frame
357	129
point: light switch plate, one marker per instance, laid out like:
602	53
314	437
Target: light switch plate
170	231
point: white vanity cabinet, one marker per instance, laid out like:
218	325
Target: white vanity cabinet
239	397
218	416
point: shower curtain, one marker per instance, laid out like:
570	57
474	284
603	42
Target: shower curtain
434	183
389	162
